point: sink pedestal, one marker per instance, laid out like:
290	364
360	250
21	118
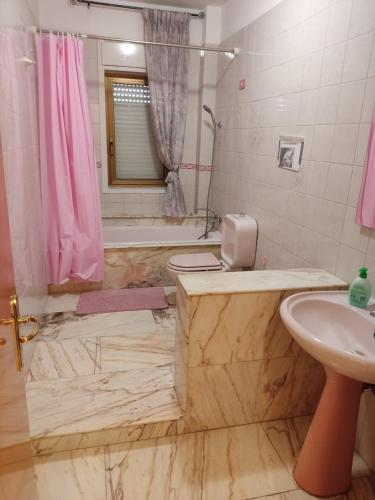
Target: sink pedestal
324	466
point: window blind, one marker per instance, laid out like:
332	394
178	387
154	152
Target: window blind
136	155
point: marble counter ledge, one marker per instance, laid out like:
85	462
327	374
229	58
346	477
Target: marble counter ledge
258	281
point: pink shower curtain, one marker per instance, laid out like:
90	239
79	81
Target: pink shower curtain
70	191
366	204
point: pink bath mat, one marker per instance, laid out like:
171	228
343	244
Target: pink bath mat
130	299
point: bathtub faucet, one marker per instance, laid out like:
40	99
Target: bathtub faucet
214	222
217	220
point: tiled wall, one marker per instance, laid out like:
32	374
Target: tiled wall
19	137
239	13
319	83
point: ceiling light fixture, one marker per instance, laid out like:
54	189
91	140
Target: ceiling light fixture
128	48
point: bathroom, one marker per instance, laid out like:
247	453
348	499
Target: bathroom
173	400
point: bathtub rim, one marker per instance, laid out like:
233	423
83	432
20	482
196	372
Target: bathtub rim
163	244
215	240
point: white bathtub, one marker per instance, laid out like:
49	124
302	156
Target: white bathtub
116	236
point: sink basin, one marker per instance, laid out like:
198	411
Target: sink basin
340	336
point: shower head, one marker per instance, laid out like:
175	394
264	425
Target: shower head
209	111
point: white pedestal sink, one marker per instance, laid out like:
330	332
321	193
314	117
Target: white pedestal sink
342	338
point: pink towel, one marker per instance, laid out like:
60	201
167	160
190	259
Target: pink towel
366	204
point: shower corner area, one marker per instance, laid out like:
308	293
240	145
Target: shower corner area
139	234
102	377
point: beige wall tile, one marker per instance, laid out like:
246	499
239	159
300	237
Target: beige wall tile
238	327
221	396
357	57
254	391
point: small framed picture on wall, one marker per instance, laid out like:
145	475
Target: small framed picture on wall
290	153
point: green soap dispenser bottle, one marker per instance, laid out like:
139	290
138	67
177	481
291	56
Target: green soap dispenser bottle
360	289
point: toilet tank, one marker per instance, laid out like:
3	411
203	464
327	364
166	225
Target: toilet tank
239	240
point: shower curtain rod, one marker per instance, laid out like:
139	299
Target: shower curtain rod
234	52
199	15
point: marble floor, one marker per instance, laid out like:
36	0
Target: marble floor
248	462
114	370
99	372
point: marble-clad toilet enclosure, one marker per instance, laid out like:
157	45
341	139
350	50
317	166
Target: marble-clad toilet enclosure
235	362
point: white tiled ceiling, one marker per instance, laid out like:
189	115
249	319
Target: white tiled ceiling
191	4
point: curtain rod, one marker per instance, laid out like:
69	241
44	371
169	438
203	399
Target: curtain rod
199	15
233	52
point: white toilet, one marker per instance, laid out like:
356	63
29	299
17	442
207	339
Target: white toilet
238	249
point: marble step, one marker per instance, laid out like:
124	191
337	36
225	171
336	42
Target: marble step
101	379
103	409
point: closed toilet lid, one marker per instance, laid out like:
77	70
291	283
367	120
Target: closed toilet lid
194	269
195	260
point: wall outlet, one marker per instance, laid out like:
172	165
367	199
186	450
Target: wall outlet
242	85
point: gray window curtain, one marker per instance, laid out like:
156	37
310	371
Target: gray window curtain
167	70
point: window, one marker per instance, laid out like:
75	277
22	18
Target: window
132	155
